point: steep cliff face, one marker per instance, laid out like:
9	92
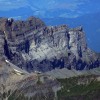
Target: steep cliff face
33	46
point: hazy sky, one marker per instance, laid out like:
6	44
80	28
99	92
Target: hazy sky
69	8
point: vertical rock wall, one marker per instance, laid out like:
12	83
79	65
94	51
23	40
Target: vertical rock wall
33	46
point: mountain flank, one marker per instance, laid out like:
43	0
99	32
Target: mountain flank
33	46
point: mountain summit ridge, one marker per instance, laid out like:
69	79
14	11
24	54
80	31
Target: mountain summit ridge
32	46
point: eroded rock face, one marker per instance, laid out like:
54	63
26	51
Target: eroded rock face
33	46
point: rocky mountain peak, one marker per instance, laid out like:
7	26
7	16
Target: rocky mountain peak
32	45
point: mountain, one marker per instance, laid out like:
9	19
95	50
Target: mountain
33	46
17	84
90	23
33	58
73	13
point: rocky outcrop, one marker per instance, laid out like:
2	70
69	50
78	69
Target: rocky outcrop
33	46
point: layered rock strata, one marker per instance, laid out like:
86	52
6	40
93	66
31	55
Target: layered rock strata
32	46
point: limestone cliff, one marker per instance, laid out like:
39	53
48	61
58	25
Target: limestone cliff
32	46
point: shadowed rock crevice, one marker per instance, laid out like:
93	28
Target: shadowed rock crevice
6	50
27	46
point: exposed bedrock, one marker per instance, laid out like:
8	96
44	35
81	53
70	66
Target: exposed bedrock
32	45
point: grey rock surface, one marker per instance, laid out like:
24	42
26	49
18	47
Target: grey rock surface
33	46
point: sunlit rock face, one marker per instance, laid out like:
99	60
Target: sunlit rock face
49	44
32	46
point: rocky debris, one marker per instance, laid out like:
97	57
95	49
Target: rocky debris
65	73
14	85
33	46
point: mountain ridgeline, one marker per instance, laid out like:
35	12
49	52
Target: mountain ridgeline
31	45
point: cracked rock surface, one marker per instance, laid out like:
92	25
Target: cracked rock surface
32	46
